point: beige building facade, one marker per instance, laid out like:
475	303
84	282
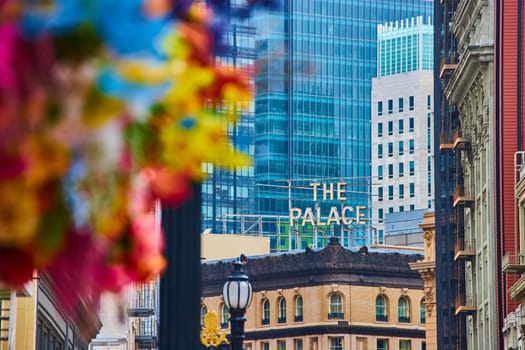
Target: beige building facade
331	299
470	91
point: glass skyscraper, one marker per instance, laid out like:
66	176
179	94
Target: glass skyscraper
226	193
315	64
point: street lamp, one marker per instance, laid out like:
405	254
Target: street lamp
237	293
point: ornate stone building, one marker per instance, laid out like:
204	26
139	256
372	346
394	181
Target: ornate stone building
427	270
470	92
331	299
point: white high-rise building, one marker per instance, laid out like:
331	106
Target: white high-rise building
402	121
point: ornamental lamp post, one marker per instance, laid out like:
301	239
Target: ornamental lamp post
237	294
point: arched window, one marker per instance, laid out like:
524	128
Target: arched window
298	308
381	309
403	310
422	312
282	310
335	310
204	312
225	316
265	308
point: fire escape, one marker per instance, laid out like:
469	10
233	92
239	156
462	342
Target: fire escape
143	314
453	248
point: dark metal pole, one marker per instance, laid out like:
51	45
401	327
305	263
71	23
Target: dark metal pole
181	282
237	320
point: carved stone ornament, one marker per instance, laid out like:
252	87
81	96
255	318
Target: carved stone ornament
404	291
297	290
382	290
335	287
211	334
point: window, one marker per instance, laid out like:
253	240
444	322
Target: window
380	172
299	309
380	108
412	207
380	194
411	103
380	214
404	345
336	343
401	168
403	310
411	124
390	106
204	312
390	171
336	307
401	208
390	149
412	168
400	104
429	102
401	147
225	316
282	310
390	210
401	126
265	312
423	345
422	312
401	191
380	151
382	344
391	192
281	345
379	129
381	309
298	344
390	128
265	346
411	146
412	190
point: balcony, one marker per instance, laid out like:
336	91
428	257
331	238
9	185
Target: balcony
140	312
464	249
146	333
461	141
403	319
336	316
513	263
446	142
381	318
462	198
465	304
448	65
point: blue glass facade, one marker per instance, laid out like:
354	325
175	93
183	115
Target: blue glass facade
315	63
225	192
405	46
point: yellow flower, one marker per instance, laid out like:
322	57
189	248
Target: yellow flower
19	215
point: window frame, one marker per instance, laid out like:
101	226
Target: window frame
335	309
265	312
299	309
381	317
281	304
403	310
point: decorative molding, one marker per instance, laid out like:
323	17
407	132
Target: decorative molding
335	287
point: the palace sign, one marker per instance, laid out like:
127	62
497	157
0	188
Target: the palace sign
347	215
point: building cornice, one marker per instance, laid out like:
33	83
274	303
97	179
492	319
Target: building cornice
282	333
334	264
473	60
